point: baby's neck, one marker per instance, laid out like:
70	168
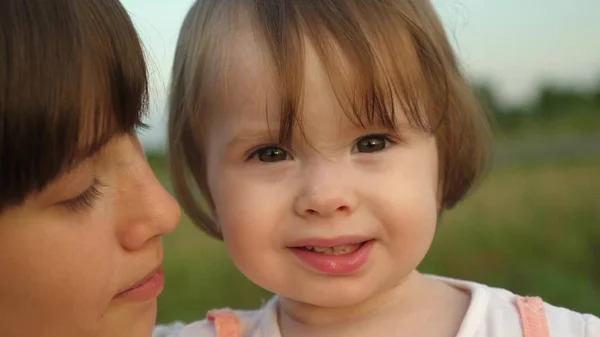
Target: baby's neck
410	309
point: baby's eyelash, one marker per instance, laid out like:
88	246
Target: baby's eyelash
252	154
385	136
85	200
388	140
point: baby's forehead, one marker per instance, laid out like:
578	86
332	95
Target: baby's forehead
326	82
247	72
249	75
251	91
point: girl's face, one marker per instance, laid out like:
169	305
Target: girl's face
343	214
70	253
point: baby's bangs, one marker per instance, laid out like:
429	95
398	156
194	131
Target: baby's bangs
75	76
379	66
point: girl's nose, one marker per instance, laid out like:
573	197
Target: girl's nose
148	210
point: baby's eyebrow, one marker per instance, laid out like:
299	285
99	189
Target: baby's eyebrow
245	136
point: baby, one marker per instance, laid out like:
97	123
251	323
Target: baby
326	138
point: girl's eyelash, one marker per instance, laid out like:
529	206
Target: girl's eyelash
139	128
85	200
142	126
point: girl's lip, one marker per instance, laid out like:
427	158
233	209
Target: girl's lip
149	287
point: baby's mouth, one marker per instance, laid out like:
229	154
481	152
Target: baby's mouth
335	250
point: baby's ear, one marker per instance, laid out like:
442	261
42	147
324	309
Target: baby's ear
215	225
440	196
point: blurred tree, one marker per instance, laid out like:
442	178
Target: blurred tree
505	118
553	100
487	98
596	96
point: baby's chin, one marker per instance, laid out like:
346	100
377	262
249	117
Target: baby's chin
368	292
339	307
332	296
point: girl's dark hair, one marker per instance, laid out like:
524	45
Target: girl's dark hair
72	75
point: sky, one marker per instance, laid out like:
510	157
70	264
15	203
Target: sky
513	44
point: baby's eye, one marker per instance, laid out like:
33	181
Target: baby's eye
372	143
270	154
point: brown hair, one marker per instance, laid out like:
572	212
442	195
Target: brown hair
72	75
398	51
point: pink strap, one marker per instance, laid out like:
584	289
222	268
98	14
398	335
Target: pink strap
226	323
533	317
531	310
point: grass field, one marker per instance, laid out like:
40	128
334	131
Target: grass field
534	229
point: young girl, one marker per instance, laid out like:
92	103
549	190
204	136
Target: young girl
81	212
326	138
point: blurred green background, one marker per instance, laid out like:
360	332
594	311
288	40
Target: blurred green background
532	227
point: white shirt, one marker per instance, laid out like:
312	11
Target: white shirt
491	313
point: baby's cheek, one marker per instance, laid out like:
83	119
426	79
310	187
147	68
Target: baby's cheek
243	222
248	221
248	250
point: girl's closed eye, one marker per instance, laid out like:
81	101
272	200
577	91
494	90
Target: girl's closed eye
85	200
139	129
269	154
374	143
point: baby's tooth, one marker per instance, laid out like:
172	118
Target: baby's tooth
337	250
340	249
321	249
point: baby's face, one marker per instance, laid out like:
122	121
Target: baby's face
69	253
342	214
